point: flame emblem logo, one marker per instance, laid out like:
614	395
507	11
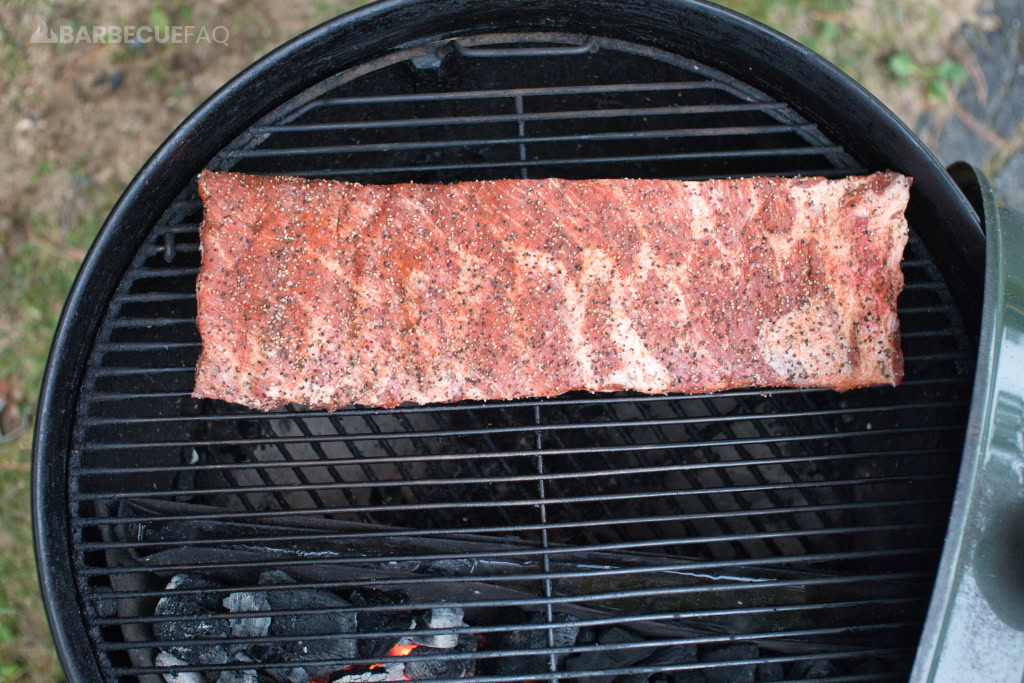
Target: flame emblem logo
43	34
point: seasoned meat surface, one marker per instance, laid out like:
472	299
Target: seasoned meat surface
329	294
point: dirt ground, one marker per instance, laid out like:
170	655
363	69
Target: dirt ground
80	119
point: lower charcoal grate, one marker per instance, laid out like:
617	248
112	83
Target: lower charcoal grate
745	536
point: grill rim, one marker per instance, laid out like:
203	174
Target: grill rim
785	70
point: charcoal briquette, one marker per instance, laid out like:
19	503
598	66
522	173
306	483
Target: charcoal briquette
242	676
564	636
597	660
167	659
313	621
443	667
769	671
375	622
663	659
740	673
195	627
248	627
814	668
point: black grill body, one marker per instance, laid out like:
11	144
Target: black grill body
803	524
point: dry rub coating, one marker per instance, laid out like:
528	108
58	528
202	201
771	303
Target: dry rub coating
329	294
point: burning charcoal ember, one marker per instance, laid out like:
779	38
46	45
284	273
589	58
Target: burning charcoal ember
193	627
380	621
613	658
443	668
814	668
741	673
167	659
250	627
664	658
312	622
385	670
241	676
769	671
438	618
379	673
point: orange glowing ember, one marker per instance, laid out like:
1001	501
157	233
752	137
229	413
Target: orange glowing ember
401	649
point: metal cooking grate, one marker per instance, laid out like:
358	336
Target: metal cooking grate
806	523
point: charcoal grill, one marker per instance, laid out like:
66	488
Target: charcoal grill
751	534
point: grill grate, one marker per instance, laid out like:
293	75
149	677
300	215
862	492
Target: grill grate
805	522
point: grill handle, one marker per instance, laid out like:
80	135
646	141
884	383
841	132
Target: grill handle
975	624
588	45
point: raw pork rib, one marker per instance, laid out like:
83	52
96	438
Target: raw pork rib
329	294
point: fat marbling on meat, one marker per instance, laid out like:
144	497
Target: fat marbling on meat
329	294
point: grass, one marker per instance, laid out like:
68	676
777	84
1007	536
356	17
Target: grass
75	142
898	50
36	275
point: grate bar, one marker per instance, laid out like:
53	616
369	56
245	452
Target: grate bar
949	355
938	308
607	647
127	372
765	391
490	405
152	322
567	161
799	173
146	273
168	321
723	131
105	347
483	630
744	563
918	334
306	487
460	505
546	575
157	249
363	436
740	587
491	654
520	528
526	601
512	118
512	92
605	673
97	470
179	228
923	286
152	297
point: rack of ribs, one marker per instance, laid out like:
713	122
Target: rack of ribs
330	294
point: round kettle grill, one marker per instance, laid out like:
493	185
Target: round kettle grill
750	535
